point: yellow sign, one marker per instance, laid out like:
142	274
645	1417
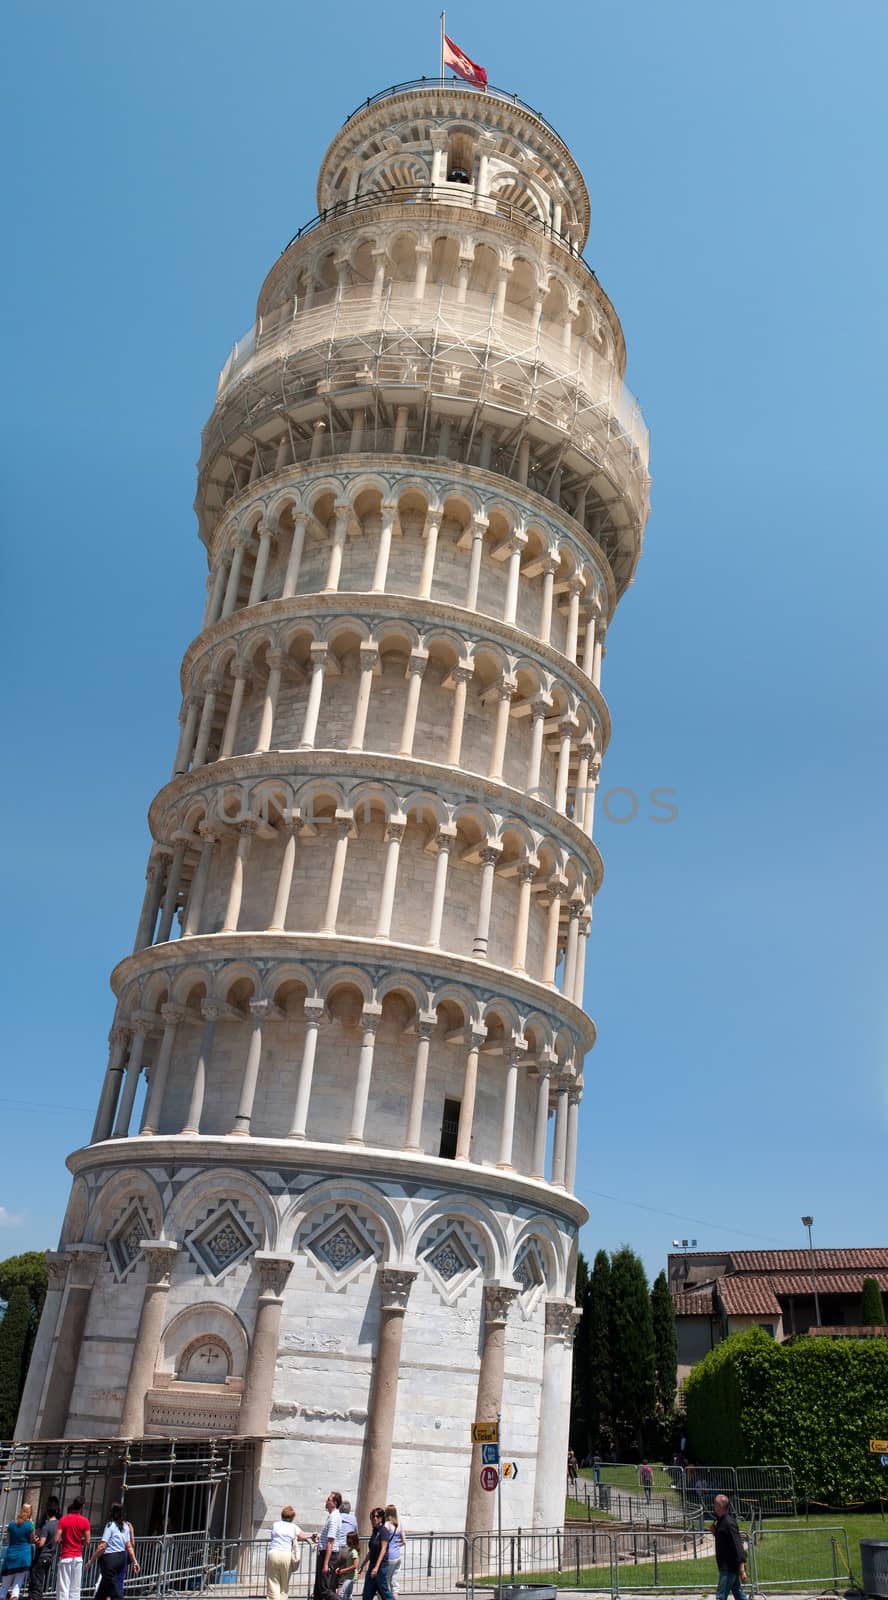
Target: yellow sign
878	1447
485	1433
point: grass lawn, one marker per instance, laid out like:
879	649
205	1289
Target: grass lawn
794	1553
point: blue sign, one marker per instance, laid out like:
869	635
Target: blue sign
884	1460
490	1455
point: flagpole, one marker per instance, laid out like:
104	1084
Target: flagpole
443	22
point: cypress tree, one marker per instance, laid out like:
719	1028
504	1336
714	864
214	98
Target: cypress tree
665	1344
579	1414
873	1311
599	1356
633	1359
13	1339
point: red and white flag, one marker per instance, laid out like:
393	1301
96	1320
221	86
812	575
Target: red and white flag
462	65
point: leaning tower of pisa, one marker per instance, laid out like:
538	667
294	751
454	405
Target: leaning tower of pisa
329	1198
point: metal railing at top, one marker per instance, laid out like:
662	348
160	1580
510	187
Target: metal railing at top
447	193
455	83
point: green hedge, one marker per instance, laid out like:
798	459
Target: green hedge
814	1404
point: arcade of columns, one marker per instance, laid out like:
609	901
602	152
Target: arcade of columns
347	1059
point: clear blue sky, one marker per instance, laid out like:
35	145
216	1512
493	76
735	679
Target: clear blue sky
158	158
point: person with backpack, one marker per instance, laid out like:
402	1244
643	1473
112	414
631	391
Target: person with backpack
44	1550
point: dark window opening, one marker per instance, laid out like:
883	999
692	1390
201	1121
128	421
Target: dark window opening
449	1129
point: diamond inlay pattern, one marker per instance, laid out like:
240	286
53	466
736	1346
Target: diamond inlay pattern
125	1243
222	1241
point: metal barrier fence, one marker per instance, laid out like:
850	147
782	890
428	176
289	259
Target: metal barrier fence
793	1558
676	1495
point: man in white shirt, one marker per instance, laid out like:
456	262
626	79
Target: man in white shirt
329	1541
349	1520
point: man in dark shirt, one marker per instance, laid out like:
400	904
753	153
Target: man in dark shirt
730	1555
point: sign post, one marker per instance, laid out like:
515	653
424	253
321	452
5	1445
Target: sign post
499	1517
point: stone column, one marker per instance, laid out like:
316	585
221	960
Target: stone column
502	278
369	659
439	156
160	1255
550	955
574	589
538	710
118	1039
541	1125
291	576
182	758
260	1011
151	902
370	1019
143	1021
580	978
587	749
394	833
444	839
469	1091
206	727
425	1027
84	1261
379	258
229	736
481	1508
562	1317
588	818
357	431
174	877
569	970
172	1015
489	858
427	575
479	528
463	271
575	1095
265	538
269	704
559	1143
216	595
399	438
345	823
380	573
460	676
423	257
516	549
337	546
506	690
314	1015
200	881
599	655
510	1097
486	148
589	644
246	830
318	654
237	561
211	1013
549	570
373	1490
527	871
56	1274
274	1270
567	727
289	828
415	671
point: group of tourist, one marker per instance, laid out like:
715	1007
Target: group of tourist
339	1561
30	1547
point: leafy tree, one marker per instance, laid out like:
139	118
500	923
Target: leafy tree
665	1344
599	1360
873	1311
633	1358
28	1269
14	1331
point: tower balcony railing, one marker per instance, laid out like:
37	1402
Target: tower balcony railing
467	339
453	194
433	84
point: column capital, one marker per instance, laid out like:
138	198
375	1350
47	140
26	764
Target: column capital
440	139
445	836
264	1010
479	525
426	1023
490	854
569	723
290	822
160	1255
242	538
562	1317
506	687
84	1262
540	706
276	659
528	869
315	1011
416	664
263	531
247	826
216	1011
497	1300
172	1013
395	1284
396	827
575	1094
368	655
476	1037
209	832
119	1034
371	1016
146	1021
318	652
424	247
576	583
274	1270
463	672
57	1264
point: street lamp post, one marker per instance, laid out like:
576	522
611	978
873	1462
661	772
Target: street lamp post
808	1222
685	1245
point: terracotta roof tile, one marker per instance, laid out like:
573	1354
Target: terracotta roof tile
748	1297
855	1260
692	1303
